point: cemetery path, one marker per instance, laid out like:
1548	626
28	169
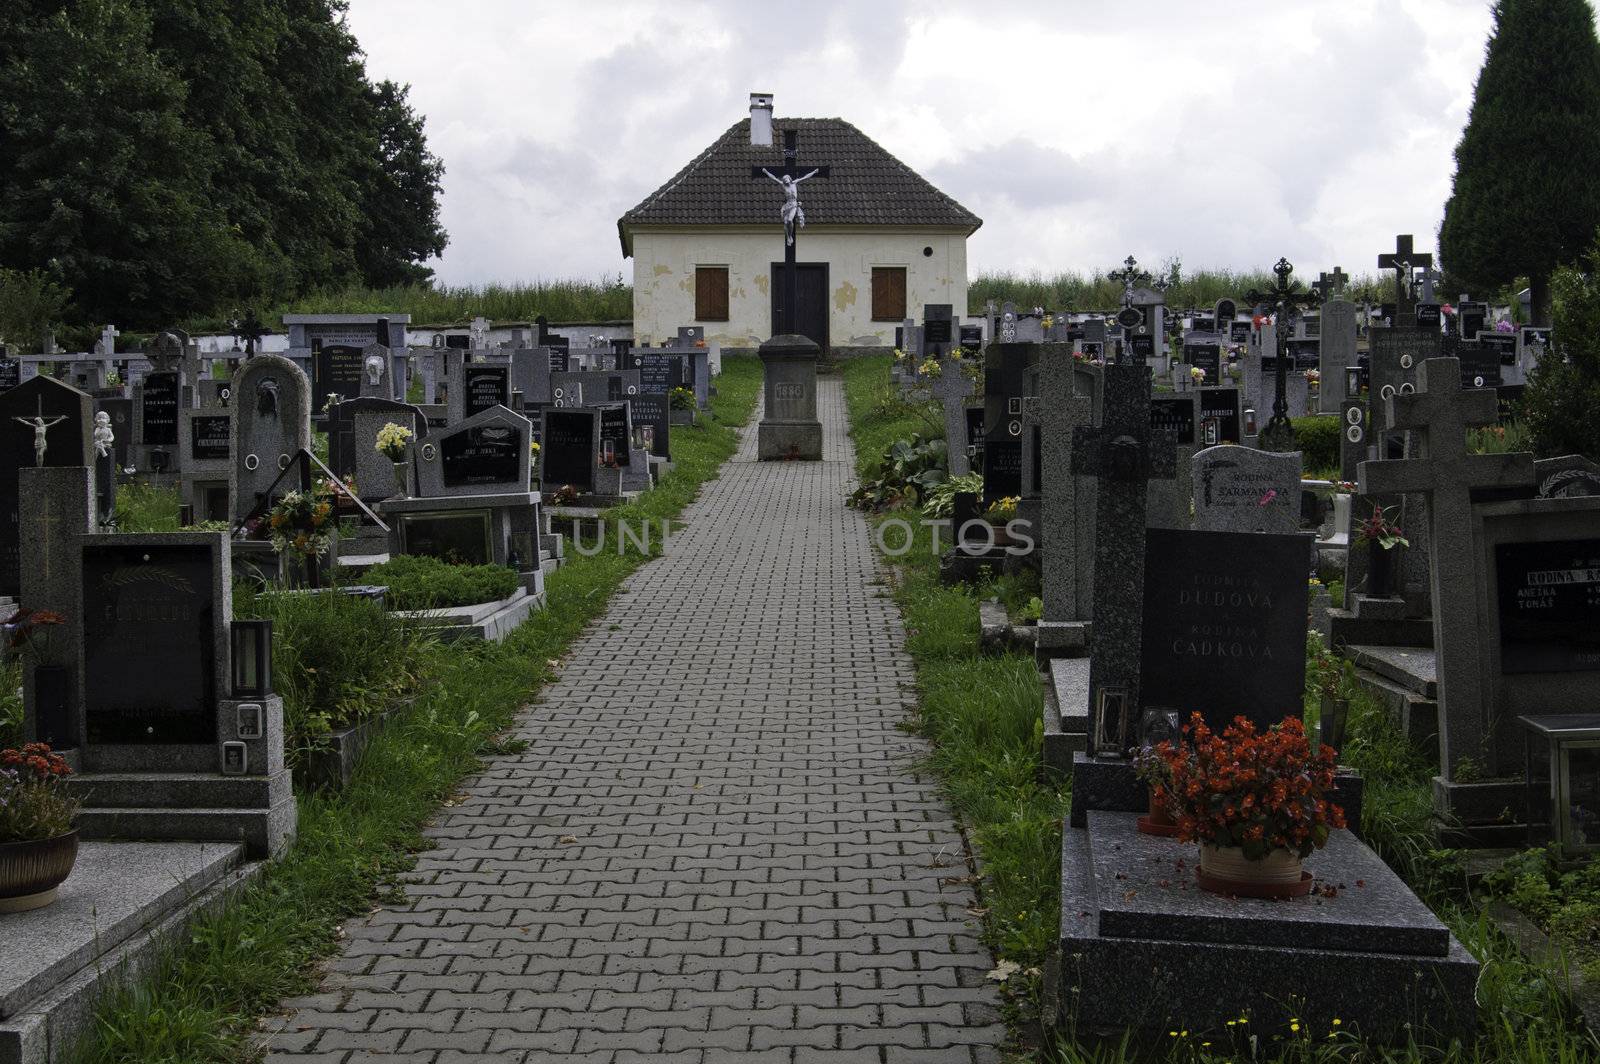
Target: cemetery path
715	848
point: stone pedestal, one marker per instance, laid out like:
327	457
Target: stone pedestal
789	428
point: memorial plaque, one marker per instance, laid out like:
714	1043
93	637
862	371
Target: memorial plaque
1239	332
1428	316
337	369
659	374
158	420
567	456
1142	347
1549	605
1175	415
1472	316
1480	365
482	454
455	536
1503	345
558	359
614	431
1224	624
1207	356
210	437
149	644
10	373
1219	415
486	387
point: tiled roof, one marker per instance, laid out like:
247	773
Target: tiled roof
867	186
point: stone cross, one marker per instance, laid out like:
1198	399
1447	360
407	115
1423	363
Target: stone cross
479	330
1430	277
1067	504
1328	284
1441	412
952	389
1402	261
108	341
1123	455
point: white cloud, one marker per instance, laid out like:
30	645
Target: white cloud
1228	133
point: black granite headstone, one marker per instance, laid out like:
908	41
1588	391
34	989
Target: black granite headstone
336	369
1480	365
1219	407
1224	624
652	415
614	432
485	387
50	399
210	436
566	440
1207	356
158	419
10	373
149	644
1174	414
1549	606
482	454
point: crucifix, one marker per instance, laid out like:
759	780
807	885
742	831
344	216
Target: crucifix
1278	434
1129	317
1440	412
1124	454
952	389
789	176
1402	260
38	424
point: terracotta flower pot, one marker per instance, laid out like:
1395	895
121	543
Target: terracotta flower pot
1159	821
30	872
1226	870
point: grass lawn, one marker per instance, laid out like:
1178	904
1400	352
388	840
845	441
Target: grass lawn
983	715
203	1002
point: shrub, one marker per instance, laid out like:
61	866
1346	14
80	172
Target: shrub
940	500
1318	439
416	582
336	659
907	470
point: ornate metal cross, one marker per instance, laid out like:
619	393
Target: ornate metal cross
1278	435
1129	317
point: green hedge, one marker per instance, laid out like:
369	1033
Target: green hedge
1318	437
416	582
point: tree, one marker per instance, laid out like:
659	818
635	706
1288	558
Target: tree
30	305
106	188
1563	391
400	210
1526	193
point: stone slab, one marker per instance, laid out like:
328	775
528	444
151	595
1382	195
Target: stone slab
116	889
1145	889
490	621
1412	667
1066	712
1111	984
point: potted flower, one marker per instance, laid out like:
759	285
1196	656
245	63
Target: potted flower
681	404
1334	711
999	514
1197	376
533	460
28	633
38	843
1380	536
301	527
393	443
1255	801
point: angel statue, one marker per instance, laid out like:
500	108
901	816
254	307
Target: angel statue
103	436
794	215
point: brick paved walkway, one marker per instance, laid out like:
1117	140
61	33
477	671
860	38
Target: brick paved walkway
756	873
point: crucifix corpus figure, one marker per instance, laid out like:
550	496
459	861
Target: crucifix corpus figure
39	426
794	215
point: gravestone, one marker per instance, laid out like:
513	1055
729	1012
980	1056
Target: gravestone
156	400
789	428
570	441
1241	489
952	390
1123	454
1354	446
1220	420
1176	417
652	423
364	418
1441	412
67	434
1006	368
486	454
1068	390
271	423
60	508
377	369
476	387
205	458
337	369
1224	618
1336	353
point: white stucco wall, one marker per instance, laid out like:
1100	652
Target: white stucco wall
664	262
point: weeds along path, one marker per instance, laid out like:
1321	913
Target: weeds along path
715	846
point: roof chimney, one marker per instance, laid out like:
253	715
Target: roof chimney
761	119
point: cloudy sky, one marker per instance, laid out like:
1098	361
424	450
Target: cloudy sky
1225	133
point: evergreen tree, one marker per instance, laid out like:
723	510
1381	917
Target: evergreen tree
1563	392
400	212
1526	194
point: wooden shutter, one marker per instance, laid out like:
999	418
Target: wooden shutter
888	293
711	293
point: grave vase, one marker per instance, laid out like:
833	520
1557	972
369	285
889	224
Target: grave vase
31	871
1380	570
1226	870
400	481
1335	713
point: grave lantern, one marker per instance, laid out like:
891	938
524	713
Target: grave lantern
1352	381
252	658
1563	772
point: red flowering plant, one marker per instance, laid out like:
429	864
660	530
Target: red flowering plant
34	804
1257	790
28	632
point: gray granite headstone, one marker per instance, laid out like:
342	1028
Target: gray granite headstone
60	510
271	407
1241	489
1337	352
1354	442
952	390
374	474
1069	390
486	454
69	419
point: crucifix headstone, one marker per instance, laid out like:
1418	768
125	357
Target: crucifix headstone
952	389
1330	284
1130	317
1440	412
1123	455
1278	435
1402	261
789	176
107	344
479	331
